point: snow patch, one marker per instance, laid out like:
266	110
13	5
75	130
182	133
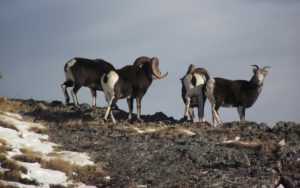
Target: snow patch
17	140
44	176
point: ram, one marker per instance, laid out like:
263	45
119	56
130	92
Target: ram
84	72
193	91
130	82
237	93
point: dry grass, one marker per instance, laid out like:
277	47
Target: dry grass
28	158
7	186
29	151
60	165
95	175
86	174
8	125
10	106
171	133
3	146
59	186
263	148
39	130
10	164
80	122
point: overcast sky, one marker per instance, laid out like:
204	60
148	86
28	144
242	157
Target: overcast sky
38	37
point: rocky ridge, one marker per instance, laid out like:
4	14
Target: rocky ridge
164	152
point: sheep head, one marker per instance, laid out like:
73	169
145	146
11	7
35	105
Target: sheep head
192	69
259	74
154	66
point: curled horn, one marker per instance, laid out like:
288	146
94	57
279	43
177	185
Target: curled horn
141	60
255	66
266	67
155	69
191	69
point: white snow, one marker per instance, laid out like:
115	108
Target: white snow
37	142
46	176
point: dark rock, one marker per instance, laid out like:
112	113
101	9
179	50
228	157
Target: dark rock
255	159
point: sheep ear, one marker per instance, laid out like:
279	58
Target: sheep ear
266	72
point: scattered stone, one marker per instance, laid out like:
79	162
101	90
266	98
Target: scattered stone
162	152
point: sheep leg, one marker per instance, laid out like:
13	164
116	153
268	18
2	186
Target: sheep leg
108	110
241	111
94	94
64	87
74	94
217	115
138	107
201	109
130	107
187	106
191	113
112	116
213	115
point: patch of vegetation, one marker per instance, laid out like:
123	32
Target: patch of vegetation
38	130
58	164
10	106
10	164
7	186
3	146
29	151
96	174
8	125
14	171
28	158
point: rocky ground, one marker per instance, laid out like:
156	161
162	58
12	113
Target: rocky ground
163	152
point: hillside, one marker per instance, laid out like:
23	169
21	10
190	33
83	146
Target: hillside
159	152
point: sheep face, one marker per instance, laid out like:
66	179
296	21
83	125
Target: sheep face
259	75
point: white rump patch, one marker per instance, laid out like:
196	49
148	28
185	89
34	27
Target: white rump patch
210	87
108	87
192	90
69	75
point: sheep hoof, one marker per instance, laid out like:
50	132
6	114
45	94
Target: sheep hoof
139	120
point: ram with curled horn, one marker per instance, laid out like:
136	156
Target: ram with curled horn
193	92
130	82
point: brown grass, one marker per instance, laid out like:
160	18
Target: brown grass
10	106
14	175
59	186
29	151
8	125
10	164
263	148
169	133
58	164
39	130
80	122
95	175
3	146
27	158
86	174
7	186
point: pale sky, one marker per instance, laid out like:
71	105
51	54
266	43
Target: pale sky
226	37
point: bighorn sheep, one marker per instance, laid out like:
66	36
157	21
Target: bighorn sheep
238	93
193	91
84	72
131	82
